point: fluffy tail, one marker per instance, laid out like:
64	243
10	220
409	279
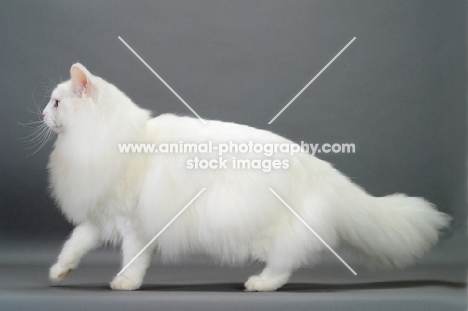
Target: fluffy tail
391	231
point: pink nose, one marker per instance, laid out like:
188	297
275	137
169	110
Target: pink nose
43	115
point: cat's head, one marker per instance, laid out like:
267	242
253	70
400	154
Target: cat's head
87	104
70	98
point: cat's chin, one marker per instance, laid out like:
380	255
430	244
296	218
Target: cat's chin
57	129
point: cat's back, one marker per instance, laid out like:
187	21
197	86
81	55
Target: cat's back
174	128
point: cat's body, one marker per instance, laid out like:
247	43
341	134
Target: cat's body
129	198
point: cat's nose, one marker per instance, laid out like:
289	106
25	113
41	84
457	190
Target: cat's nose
43	115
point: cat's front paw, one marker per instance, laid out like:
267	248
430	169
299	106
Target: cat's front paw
58	272
122	282
259	283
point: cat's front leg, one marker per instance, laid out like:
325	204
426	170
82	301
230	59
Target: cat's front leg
84	238
132	277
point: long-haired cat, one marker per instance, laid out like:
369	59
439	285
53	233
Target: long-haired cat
127	198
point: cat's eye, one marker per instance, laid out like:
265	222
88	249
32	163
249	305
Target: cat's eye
56	103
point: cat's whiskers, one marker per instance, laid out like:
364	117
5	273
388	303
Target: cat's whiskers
37	140
35	133
41	132
34	136
29	124
44	141
37	114
39	137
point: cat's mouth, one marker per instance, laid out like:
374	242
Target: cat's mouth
57	129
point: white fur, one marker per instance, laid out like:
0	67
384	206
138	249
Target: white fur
128	198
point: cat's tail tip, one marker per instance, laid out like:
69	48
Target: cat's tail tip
394	231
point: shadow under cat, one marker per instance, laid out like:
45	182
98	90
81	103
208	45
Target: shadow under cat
290	287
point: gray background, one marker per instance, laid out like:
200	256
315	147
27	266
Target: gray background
398	93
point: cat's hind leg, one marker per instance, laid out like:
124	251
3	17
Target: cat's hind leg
290	250
280	263
84	238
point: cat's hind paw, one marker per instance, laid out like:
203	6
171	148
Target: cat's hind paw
57	272
122	282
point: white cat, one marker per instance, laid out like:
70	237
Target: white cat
129	198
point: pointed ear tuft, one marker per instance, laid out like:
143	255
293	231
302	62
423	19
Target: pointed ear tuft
80	77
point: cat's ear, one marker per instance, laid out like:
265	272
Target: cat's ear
81	78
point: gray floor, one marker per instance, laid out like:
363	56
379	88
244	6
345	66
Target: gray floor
198	285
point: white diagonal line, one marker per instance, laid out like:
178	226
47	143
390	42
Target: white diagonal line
312	230
160	232
313	79
162	80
